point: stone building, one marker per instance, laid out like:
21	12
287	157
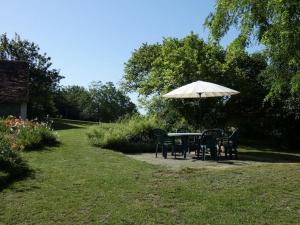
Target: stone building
14	85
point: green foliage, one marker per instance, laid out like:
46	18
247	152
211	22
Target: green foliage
140	65
130	134
10	161
44	80
24	134
176	62
274	24
109	103
101	102
171	64
36	137
17	135
80	184
74	102
182	61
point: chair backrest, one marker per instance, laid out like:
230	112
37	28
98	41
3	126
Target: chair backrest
234	137
209	138
218	132
159	135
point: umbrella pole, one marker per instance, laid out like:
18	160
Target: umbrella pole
200	110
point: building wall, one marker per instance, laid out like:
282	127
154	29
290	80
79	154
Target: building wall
14	88
7	109
23	110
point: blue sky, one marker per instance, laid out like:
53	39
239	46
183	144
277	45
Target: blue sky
90	40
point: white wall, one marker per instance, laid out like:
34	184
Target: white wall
23	110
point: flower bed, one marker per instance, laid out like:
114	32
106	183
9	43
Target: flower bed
27	135
20	135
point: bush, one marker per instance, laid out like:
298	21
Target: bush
10	161
24	134
35	137
130	134
16	135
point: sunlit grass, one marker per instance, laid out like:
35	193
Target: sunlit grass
76	183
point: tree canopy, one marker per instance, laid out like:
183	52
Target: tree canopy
275	24
44	80
156	69
100	102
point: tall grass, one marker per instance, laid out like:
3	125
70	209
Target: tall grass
130	134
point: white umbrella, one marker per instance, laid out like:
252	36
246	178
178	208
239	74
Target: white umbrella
200	89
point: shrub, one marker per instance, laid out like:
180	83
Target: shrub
35	137
24	134
10	161
130	134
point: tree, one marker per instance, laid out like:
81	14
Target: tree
44	80
74	102
100	102
108	103
276	25
156	69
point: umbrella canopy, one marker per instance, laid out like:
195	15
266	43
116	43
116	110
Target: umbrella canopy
200	89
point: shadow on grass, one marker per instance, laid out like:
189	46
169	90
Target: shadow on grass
262	156
243	156
59	125
7	178
132	149
245	153
44	147
267	146
65	124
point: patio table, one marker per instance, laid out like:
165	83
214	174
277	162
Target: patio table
185	138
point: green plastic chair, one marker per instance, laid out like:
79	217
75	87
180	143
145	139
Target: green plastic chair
191	141
231	144
164	141
208	141
220	136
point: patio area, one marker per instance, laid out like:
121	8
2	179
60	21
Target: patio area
190	162
248	157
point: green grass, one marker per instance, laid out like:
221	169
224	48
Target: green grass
75	183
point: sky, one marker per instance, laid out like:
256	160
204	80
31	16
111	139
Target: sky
90	40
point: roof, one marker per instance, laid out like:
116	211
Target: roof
14	81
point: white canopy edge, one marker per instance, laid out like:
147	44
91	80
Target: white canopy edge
201	89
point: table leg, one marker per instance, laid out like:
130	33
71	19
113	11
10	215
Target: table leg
185	140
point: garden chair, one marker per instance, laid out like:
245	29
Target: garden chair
231	144
164	141
219	135
208	141
191	141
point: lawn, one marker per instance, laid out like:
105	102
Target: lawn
75	183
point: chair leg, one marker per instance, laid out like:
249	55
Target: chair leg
173	147
219	151
156	149
175	152
226	151
165	151
230	152
197	152
217	154
203	152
